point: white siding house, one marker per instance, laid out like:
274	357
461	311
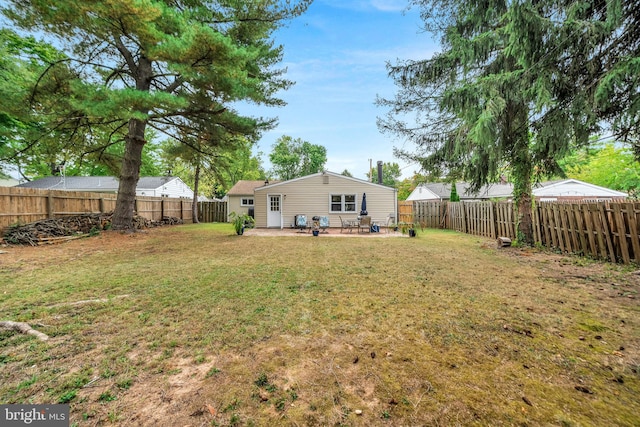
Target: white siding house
152	186
322	194
567	189
573	189
437	191
240	197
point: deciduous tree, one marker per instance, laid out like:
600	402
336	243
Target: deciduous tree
292	158
391	173
608	166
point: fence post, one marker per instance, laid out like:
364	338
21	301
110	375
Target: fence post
464	217
494	225
49	205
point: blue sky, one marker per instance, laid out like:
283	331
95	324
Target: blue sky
336	53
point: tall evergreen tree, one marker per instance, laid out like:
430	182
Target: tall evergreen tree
510	88
162	64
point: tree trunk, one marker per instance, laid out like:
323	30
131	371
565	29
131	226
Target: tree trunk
129	175
522	190
134	143
194	206
525	219
522	164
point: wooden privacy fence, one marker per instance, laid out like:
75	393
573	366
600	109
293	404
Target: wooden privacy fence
605	230
212	211
24	205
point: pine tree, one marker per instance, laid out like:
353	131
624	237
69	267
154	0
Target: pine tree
159	64
513	87
453	197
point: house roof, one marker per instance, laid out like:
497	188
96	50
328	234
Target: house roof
106	183
245	188
103	183
559	188
442	190
574	187
361	181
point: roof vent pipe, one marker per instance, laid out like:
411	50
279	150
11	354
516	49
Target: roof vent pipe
379	171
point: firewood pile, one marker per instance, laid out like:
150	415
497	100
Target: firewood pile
72	227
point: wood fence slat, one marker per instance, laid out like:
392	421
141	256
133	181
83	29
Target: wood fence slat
565	227
633	214
584	248
555	236
606	232
588	220
621	232
575	240
547	221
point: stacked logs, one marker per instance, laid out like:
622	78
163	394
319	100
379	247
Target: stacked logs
71	227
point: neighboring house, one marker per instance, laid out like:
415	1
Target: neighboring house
321	194
153	186
9	182
240	197
438	191
567	189
572	189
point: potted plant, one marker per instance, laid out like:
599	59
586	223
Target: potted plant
406	227
316	226
241	221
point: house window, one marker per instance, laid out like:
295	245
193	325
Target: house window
343	203
275	203
246	201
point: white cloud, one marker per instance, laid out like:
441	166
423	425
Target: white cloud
389	5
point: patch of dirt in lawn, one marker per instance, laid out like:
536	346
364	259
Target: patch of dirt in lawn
25	257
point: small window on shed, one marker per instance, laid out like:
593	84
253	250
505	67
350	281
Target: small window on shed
246	201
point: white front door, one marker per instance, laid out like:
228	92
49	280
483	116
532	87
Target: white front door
274	211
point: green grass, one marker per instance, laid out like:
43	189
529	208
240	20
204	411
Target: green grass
441	329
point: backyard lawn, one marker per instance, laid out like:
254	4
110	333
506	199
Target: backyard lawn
194	326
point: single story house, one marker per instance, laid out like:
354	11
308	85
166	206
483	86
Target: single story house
561	190
573	189
152	186
437	191
240	197
321	194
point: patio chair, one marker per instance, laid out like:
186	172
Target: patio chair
391	222
365	224
324	223
301	223
345	224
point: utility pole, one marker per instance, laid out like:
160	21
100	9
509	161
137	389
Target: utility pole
370	166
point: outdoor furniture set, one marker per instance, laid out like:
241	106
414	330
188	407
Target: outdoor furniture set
316	225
